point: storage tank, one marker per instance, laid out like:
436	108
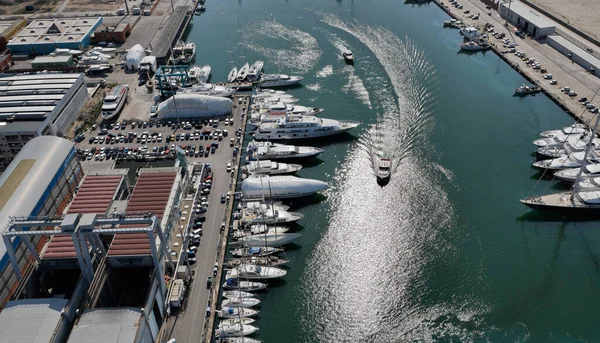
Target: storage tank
194	106
134	57
280	187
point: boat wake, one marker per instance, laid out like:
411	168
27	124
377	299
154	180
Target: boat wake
405	121
300	54
326	71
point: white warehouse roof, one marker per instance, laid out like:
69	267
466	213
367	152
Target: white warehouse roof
107	325
527	13
30	320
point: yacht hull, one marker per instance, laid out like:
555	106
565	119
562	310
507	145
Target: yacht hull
561	203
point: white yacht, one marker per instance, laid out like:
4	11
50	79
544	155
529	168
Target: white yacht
269	216
235	330
261	229
232	75
243	73
265	101
384	166
208	89
471	33
268	167
254	272
177	53
114	102
590	171
275	151
279	80
348	56
303	127
247	286
189	51
589	184
574	129
204	74
255	251
193	73
573	144
59	51
264	205
255	70
236	312
280	187
269	239
240	302
573	160
237	294
269	92
557	140
239	340
268	261
231	321
281	108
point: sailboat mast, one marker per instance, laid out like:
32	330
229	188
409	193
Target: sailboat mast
587	150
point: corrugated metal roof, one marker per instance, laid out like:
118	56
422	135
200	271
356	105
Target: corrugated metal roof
49	153
104	325
30	320
151	194
94	196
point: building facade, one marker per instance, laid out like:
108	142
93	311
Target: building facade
37	105
43	36
40	181
524	17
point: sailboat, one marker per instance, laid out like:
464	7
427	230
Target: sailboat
577	201
243	73
232	75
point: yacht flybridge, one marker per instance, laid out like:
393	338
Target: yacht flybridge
275	151
303	127
268	167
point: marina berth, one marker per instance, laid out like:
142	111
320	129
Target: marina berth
268	216
254	272
269	239
246	286
268	167
235	330
236	312
255	251
279	80
258	150
303	127
237	294
280	187
193	106
269	261
240	302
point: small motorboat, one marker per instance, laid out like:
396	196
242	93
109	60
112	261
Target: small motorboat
236	312
383	170
526	90
237	294
235	330
348	57
246	286
240	302
232	321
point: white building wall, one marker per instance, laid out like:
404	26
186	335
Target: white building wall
69	107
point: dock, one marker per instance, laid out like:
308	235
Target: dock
562	69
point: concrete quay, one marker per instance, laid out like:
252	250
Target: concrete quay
561	68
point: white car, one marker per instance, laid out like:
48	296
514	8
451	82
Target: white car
228	167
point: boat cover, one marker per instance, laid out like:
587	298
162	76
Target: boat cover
194	106
280	186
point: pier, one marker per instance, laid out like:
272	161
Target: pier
562	69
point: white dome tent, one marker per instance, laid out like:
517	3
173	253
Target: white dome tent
134	56
280	187
194	106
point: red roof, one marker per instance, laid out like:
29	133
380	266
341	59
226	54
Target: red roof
150	195
94	196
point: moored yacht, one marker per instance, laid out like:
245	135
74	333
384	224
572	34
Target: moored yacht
572	160
573	144
275	151
581	201
204	74
254	272
177	53
255	251
590	171
239	340
243	73
557	140
237	294
208	89
231	321
471	33
235	330
473	46
232	75
256	230
255	70
114	101
189	51
575	129
303	127
269	239
262	205
269	216
240	302
526	90
280	187
247	286
236	312
279	80
269	261
268	167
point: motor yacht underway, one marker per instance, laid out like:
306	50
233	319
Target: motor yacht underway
255	70
240	302
575	129
246	286
114	101
189	51
573	160
279	80
254	272
243	73
269	239
303	127
590	171
235	330
280	187
275	151
232	75
255	251
269	216
383	170
268	167
348	57
236	312
208	89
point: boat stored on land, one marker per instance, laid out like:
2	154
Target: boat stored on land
114	101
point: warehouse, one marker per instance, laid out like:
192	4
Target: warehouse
528	20
40	181
583	58
37	105
43	36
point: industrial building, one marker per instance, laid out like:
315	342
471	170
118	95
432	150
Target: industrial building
578	55
40	181
93	262
52	62
8	29
43	36
37	105
528	20
115	34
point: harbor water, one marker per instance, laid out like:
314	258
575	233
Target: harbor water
445	252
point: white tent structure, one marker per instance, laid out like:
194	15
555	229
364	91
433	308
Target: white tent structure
280	187
194	106
134	56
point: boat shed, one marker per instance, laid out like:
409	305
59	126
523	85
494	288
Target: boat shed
528	20
109	325
51	62
578	55
33	320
